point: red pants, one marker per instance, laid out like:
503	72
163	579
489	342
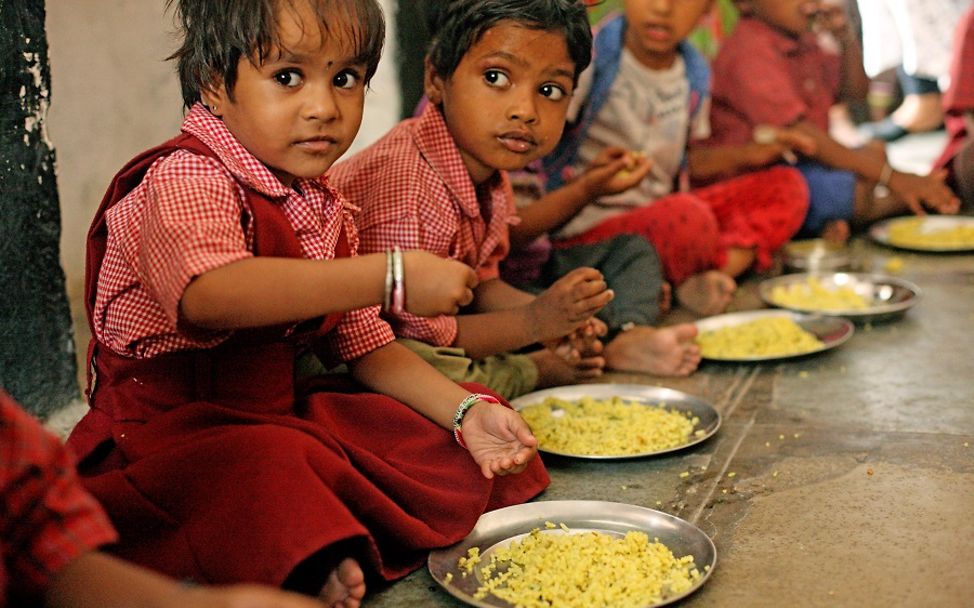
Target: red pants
692	231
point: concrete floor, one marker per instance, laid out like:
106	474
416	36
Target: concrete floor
854	468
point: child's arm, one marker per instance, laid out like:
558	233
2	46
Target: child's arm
918	191
613	170
709	163
854	83
96	579
499	440
263	291
509	319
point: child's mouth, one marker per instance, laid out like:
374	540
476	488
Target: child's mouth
517	143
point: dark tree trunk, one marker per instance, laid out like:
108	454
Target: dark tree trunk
37	364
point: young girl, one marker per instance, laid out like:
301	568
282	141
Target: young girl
211	264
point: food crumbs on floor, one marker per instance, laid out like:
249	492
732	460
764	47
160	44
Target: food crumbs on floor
685	474
659	503
797	435
774	474
781	437
732	474
869	471
803	374
767	444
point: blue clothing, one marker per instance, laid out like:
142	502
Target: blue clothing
831	196
608	45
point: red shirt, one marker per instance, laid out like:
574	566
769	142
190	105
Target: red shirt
187	217
415	192
959	98
46	518
764	76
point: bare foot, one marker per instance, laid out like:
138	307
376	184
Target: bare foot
707	293
663	351
837	232
345	586
556	371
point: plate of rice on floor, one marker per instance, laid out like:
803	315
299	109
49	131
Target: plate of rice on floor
767	335
860	297
931	233
575	554
615	421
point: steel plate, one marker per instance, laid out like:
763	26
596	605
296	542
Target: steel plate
831	331
880	232
888	297
639	393
499	528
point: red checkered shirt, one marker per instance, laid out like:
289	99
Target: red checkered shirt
46	518
415	192
763	76
187	217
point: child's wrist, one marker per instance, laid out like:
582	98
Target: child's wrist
468	402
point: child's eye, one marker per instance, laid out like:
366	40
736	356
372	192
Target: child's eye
288	78
496	78
347	79
552	92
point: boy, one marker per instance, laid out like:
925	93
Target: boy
799	81
647	93
499	74
214	261
51	529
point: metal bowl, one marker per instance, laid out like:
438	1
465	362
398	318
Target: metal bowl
888	297
816	254
497	529
881	232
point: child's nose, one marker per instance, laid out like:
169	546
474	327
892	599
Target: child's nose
320	104
523	107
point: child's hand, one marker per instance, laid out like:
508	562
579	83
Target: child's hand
568	304
930	191
775	143
435	285
499	440
615	170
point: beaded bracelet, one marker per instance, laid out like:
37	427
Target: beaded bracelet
398	283
465	405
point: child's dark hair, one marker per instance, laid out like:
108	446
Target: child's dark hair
216	35
457	25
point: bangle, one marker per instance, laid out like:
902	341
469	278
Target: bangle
398	283
881	190
465	405
387	298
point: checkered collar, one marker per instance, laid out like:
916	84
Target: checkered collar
210	130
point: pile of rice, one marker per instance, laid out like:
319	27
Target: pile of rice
608	427
766	337
911	233
812	295
583	569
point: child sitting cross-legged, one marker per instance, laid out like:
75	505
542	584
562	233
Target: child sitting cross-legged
638	106
213	262
499	75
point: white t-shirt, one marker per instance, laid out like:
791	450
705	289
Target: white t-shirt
646	111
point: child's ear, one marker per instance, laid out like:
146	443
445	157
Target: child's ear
213	97
432	83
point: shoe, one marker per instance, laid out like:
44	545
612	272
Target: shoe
885	130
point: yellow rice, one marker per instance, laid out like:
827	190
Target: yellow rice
608	427
812	295
910	233
766	337
583	569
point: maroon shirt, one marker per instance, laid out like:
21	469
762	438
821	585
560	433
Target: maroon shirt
764	76
959	98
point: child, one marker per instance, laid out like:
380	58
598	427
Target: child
629	263
646	94
499	74
799	81
51	530
211	263
958	155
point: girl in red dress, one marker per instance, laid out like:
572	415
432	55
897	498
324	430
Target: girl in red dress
212	262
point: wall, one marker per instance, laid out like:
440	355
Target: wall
113	95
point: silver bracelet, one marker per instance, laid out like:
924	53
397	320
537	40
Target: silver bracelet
881	190
387	298
398	283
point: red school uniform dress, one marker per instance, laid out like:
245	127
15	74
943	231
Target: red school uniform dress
212	464
415	192
958	99
47	518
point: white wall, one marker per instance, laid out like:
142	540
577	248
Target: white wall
113	95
